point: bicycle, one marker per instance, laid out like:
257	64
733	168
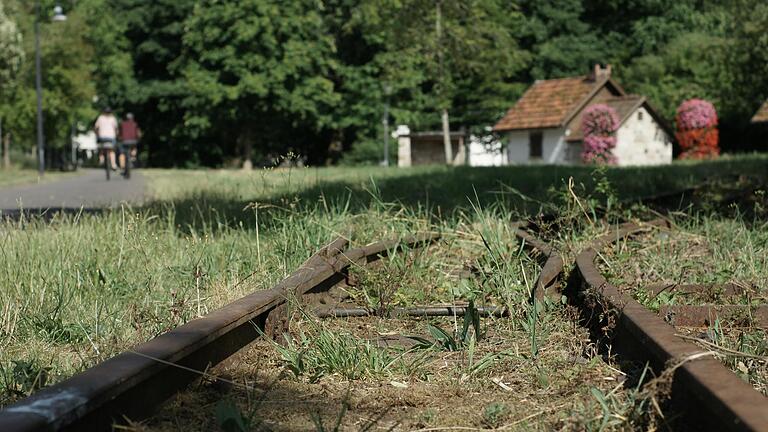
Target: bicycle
126	148
106	146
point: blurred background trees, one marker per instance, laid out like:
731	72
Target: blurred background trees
215	82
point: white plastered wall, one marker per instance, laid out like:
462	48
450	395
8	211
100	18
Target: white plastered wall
553	146
403	136
642	141
482	153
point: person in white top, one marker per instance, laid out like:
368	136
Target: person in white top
106	134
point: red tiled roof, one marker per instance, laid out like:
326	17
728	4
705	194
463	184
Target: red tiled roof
547	103
762	114
624	106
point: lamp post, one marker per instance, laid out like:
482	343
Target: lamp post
58	16
385	122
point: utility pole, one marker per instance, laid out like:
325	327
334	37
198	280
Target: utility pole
58	15
446	126
5	148
72	146
39	89
385	122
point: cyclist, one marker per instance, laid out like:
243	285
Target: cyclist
129	136
106	134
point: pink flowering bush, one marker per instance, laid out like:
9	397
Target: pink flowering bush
599	124
697	129
597	149
696	114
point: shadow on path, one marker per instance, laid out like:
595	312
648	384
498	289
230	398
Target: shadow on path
445	193
87	192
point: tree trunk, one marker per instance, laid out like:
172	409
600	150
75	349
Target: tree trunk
5	137
439	47
6	150
385	122
335	147
246	143
447	138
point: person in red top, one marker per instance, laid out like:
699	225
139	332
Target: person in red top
129	136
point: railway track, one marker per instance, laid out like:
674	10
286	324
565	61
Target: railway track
710	396
132	385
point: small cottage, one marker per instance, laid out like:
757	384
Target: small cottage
427	148
544	126
761	116
759	129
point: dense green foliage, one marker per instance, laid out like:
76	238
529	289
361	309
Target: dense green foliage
11	52
255	69
214	81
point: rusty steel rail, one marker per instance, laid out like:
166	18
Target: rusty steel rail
710	395
133	384
425	311
548	282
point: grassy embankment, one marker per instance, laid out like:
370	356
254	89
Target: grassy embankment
19	177
77	290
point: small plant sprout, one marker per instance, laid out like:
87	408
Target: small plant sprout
494	414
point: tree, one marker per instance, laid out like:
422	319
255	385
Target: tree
11	59
745	76
11	53
560	41
688	66
153	33
748	53
66	77
447	56
68	84
256	68
210	81
113	70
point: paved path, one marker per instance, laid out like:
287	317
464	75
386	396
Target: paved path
89	189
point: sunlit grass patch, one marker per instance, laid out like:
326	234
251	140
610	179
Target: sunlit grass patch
79	289
709	250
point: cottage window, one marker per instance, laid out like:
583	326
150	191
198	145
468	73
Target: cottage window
640	115
535	140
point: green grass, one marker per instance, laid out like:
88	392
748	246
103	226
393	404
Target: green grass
323	351
698	250
704	249
79	290
455	367
445	191
19	176
76	290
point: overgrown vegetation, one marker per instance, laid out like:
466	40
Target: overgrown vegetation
80	288
709	250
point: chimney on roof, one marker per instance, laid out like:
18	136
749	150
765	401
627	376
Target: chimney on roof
601	72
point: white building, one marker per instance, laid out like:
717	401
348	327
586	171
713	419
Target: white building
424	148
544	126
486	151
761	116
86	142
